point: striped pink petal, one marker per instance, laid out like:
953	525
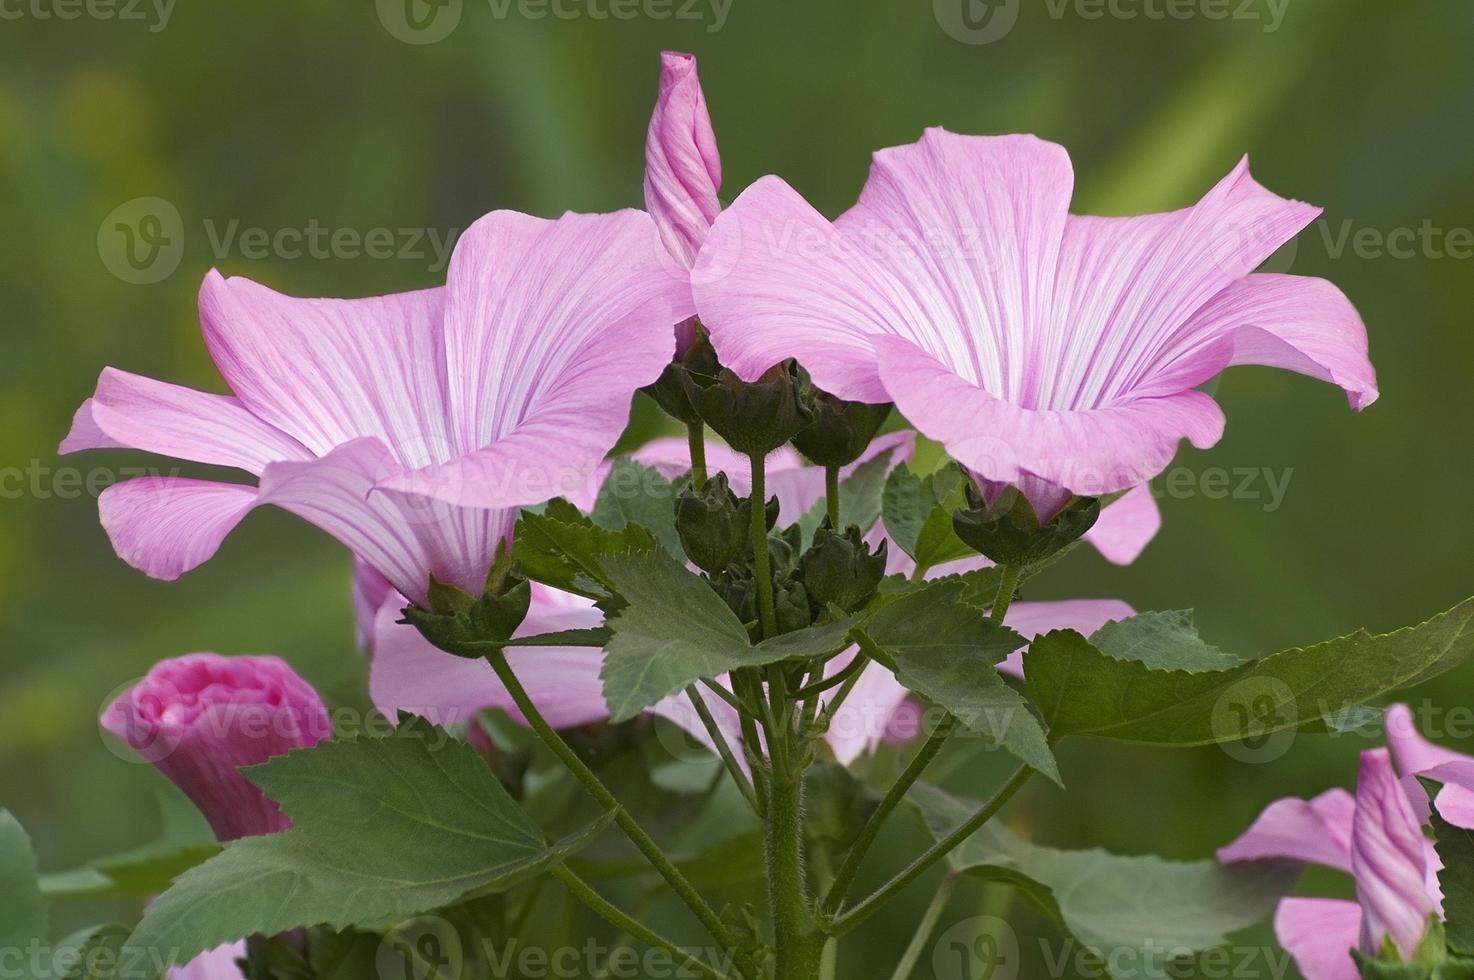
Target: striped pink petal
683	170
1316	830
1320	934
1387	860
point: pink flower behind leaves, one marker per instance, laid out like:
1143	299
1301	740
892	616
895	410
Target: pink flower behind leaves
202	717
1055	352
406	426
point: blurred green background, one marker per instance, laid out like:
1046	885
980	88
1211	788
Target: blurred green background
278	116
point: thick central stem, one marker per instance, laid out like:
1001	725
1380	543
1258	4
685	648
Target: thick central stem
799	946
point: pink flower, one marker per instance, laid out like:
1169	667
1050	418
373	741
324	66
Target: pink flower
1054	352
683	170
1377	837
405	426
217	964
201	717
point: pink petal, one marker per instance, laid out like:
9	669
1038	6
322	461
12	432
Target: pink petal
550	327
1126	526
217	964
1316	830
1416	756
1413	753
1387	859
1320	934
329	371
1296	323
406	538
370	591
164	526
141	413
1086	452
683	171
1128	290
874	712
1084	616
1456	799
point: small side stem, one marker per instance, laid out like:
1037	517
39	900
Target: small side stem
696	439
596	788
926	927
611	913
724	749
933	854
762	572
831	495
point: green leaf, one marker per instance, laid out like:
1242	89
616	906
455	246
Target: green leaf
1164	640
918	514
675	630
1455	847
23	913
1083	691
93	953
636	494
1132	910
184	841
859	499
561	547
385	828
946	650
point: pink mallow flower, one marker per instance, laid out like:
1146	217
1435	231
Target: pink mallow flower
1377	836
200	718
408	426
1058	353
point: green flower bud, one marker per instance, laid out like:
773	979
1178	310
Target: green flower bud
1010	533
755	418
791	604
715	524
840	431
670	389
840	570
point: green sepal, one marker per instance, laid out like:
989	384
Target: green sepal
840	431
715	525
1009	532
840	569
478	629
670	390
754	417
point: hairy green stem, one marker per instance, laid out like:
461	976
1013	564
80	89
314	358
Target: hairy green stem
834	900
926	927
831	495
612	914
797	943
596	788
696	439
760	568
933	854
714	732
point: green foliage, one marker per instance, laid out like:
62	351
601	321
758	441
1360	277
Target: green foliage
184	841
23	913
1128	909
93	954
1455	846
1164	640
946	650
918	514
675	630
1082	690
385	828
561	547
636	494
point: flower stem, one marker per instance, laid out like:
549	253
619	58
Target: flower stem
610	913
933	854
893	797
714	731
761	570
799	946
696	439
831	495
927	925
596	788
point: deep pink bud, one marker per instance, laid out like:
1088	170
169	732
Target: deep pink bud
201	717
682	169
1387	860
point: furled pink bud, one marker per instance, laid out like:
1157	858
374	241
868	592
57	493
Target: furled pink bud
682	169
1387	860
201	717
